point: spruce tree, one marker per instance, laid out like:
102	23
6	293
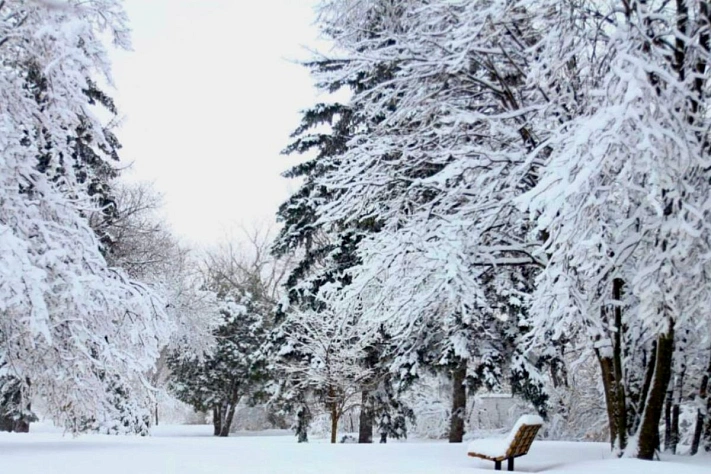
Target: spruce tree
325	253
443	338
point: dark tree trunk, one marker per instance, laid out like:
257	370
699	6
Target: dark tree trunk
702	417
606	371
228	410
156	414
674	429
303	418
217	420
649	430
333	411
668	420
365	424
619	386
612	374
676	408
698	428
459	403
559	372
334	423
227	422
648	377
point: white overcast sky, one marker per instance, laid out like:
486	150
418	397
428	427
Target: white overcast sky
209	96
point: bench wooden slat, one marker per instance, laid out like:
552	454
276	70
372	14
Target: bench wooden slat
522	441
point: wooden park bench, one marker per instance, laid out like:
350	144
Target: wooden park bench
516	444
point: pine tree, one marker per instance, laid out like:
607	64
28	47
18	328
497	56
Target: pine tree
438	163
324	255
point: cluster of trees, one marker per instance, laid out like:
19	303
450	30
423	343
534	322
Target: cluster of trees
512	193
94	290
246	280
512	189
101	306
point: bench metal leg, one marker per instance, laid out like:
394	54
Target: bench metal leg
511	464
497	465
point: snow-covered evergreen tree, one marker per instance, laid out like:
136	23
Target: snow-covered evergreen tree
246	282
322	257
436	155
231	372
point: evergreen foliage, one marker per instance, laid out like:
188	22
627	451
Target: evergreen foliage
233	371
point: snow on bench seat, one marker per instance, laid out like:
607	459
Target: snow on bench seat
516	444
491	448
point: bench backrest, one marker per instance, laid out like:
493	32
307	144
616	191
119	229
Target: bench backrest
522	440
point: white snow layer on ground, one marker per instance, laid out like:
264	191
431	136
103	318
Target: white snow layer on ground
191	449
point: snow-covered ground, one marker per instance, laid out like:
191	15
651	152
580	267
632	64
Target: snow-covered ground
191	449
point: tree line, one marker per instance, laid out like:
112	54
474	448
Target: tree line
510	189
509	193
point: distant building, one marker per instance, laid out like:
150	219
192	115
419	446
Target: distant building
492	411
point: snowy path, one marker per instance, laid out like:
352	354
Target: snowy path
191	449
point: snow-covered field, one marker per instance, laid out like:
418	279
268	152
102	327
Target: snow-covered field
191	449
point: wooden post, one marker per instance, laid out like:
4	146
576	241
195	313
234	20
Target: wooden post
511	464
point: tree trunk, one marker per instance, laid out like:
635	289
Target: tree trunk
156	414
459	403
365	424
334	422
675	429
668	419
642	396
698	428
606	372
227	423
703	411
217	420
676	408
303	418
619	386
648	437
612	373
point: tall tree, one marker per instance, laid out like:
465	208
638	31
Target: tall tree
438	158
320	257
68	324
622	197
